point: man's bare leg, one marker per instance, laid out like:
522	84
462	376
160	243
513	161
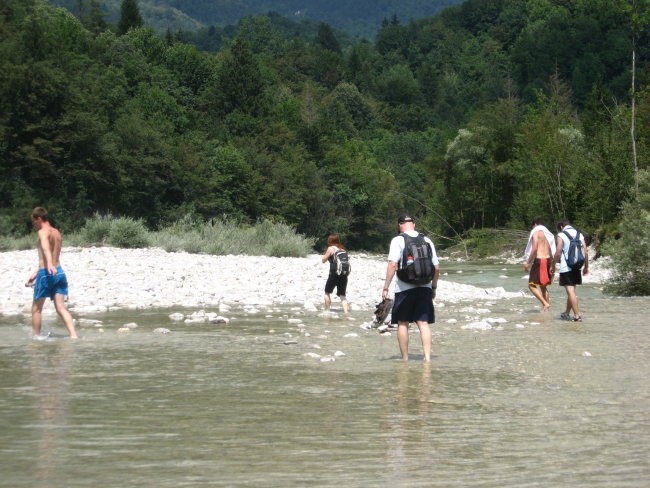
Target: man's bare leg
37	316
546	293
344	303
540	296
572	301
59	304
403	339
328	302
425	336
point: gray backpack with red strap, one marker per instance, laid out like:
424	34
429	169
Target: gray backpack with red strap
416	265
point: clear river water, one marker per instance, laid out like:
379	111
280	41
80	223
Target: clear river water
532	402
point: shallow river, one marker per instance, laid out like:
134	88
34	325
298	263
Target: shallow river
533	402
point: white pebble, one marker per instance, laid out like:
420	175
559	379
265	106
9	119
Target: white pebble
482	325
499	320
89	322
196	320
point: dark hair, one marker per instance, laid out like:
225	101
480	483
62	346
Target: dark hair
537	221
563	223
335	240
40	212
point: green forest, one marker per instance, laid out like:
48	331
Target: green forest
356	17
476	119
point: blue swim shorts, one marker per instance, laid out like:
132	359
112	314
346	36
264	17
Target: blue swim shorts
47	285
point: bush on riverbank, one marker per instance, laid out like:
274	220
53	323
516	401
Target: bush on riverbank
123	232
265	238
631	252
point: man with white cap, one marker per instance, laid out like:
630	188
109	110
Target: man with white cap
414	290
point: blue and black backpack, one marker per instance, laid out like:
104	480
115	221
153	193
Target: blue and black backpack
575	258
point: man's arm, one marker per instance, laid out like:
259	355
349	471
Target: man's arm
533	251
559	244
390	272
585	251
436	275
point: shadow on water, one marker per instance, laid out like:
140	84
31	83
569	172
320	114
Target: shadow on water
266	400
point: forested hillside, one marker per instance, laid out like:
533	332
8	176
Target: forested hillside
482	116
357	17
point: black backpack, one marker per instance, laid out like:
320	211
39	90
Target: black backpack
574	257
416	266
341	263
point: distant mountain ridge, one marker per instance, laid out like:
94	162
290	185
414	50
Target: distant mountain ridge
356	17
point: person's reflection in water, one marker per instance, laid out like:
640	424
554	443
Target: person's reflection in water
50	366
408	418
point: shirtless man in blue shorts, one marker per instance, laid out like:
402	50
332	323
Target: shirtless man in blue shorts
49	280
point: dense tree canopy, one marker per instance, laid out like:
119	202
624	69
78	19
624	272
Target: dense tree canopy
130	17
483	116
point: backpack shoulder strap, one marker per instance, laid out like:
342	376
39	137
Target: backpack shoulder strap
565	249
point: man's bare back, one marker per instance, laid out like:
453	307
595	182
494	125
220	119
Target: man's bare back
49	246
541	247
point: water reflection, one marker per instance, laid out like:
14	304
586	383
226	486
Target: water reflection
408	412
50	366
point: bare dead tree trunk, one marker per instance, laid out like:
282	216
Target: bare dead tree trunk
632	124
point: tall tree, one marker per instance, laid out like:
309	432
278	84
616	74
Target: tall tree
91	15
639	12
325	38
129	16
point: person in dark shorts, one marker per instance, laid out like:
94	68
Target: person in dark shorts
413	303
334	280
569	278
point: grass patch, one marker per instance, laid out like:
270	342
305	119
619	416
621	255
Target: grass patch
227	237
8	243
221	238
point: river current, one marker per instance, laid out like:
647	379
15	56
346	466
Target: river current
285	397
